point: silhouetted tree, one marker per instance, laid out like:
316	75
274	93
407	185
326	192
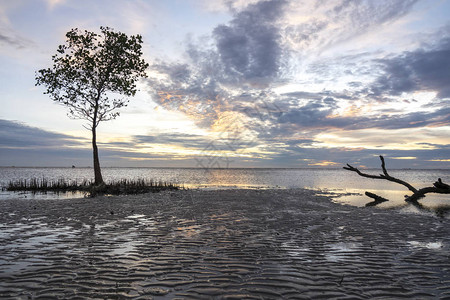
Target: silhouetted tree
88	70
438	187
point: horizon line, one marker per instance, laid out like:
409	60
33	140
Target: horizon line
199	168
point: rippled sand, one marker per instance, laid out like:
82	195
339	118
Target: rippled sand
232	244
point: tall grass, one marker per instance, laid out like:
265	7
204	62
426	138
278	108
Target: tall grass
138	186
123	186
45	185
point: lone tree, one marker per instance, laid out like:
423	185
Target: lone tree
88	70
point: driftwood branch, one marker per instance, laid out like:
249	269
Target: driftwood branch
438	187
385	175
376	199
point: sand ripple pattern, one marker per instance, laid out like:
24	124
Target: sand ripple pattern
234	244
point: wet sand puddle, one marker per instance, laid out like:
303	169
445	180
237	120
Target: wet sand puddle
219	244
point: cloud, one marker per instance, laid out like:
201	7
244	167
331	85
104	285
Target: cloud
17	135
249	47
420	70
225	5
249	55
53	3
247	50
327	23
23	145
237	69
9	38
238	61
319	115
36	147
189	141
366	13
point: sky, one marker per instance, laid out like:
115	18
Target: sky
235	83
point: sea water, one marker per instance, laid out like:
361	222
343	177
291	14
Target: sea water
347	186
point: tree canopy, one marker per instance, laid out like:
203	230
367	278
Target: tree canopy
89	67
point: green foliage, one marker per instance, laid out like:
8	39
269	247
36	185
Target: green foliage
91	67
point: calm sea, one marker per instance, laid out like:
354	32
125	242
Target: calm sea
331	180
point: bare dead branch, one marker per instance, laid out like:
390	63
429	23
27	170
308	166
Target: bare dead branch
383	166
351	168
377	199
386	176
438	187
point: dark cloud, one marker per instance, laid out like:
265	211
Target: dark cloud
284	149
224	142
188	90
318	115
295	154
236	68
82	157
304	34
247	50
17	135
440	117
38	157
326	96
173	139
23	145
244	55
421	70
6	38
249	47
310	115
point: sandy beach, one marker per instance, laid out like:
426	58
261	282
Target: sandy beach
227	244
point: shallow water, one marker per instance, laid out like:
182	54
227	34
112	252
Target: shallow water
348	186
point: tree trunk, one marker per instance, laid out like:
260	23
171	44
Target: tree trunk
97	170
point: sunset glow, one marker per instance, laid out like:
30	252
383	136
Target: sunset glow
270	83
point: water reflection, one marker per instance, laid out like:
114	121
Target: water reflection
43	195
348	188
433	203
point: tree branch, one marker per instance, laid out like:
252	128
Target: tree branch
438	187
376	199
351	168
386	176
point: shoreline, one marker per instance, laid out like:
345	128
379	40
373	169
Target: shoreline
434	204
231	243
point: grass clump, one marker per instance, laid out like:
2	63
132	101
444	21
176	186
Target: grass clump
134	186
123	186
45	185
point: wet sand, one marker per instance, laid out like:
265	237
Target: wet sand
230	244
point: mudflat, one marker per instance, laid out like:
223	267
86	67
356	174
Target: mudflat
225	244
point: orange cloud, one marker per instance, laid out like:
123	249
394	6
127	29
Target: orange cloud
324	163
